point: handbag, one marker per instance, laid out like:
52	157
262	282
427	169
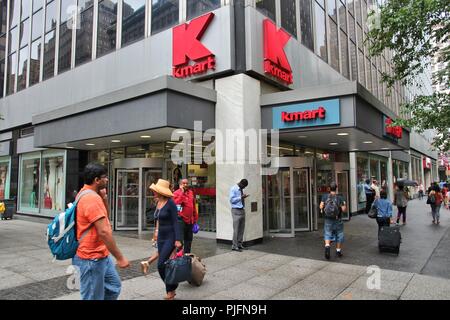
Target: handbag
47	201
178	270
373	212
195	228
198	270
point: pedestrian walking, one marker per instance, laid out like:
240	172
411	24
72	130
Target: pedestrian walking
384	210
435	200
185	200
421	191
169	237
376	188
401	201
370	195
444	192
237	200
99	279
332	206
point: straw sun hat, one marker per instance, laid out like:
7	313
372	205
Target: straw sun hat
162	187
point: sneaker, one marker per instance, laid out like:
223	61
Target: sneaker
243	248
236	249
339	253
327	253
433	221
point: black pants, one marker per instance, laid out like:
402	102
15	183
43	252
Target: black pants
187	236
369	200
401	211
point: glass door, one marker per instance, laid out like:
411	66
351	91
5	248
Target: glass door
342	184
127	199
149	206
301	199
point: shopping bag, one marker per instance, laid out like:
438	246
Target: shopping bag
198	270
48	203
373	212
178	270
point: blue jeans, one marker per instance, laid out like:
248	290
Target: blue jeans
99	279
333	230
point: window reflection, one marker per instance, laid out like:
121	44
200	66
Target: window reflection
320	32
165	14
288	17
22	74
266	7
49	55
11	77
306	24
35	61
65	47
83	50
133	21
107	19
196	7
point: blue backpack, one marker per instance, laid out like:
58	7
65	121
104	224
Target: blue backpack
61	233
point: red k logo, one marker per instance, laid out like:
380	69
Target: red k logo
186	40
274	42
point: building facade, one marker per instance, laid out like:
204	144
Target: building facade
122	82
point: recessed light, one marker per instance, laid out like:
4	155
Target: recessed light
70	147
333	143
302	137
355	149
115	141
384	148
90	144
145	137
343	134
181	131
367	142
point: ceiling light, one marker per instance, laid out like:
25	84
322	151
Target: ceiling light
343	134
115	141
302	137
70	147
367	142
90	144
384	148
355	149
181	131
333	143
145	137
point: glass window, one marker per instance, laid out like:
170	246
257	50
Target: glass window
358	11
353	61
351	7
334	45
83	50
53	184
67	10
38	20
65	47
25	9
4	178
133	21
266	7
165	14
196	7
13	40
29	184
2	46
360	38
14	6
2	76
35	61
288	17
351	26
11	76
24	33
362	173
84	4
361	74
374	80
320	32
50	17
37	4
49	55
306	24
3	16
369	75
22	74
342	16
332	10
344	55
107	26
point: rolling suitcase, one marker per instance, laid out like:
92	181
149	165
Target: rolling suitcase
389	239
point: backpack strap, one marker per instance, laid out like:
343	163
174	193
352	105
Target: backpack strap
81	194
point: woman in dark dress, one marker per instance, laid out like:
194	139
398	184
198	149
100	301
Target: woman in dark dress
169	235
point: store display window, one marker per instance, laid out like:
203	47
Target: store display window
4	177
52	182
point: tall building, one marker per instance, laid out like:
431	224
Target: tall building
136	77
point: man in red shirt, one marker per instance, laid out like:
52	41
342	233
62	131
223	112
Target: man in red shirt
185	201
99	279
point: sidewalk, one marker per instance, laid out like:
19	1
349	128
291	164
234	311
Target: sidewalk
277	269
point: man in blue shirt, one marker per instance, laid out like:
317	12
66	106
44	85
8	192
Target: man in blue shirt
237	201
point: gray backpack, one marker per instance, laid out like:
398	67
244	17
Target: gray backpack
331	209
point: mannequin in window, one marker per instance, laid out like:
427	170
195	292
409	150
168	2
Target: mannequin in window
177	176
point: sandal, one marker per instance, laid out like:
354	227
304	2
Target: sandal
170	295
144	267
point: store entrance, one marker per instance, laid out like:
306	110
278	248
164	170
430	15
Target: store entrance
133	204
287	197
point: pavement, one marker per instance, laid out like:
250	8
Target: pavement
277	269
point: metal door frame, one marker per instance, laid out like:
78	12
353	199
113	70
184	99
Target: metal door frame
308	200
117	197
347	200
143	201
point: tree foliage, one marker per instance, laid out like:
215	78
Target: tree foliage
414	30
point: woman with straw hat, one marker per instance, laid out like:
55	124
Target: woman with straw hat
169	236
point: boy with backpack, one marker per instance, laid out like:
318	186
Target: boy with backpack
332	206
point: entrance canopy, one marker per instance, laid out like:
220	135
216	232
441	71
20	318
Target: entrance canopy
341	117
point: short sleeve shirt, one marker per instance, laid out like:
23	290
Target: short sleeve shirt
90	209
340	201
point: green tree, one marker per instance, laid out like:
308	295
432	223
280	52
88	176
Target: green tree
413	31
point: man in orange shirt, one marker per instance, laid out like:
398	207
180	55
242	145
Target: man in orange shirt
99	279
185	200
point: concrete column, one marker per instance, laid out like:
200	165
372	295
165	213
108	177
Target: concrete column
353	183
410	166
238	107
422	173
390	176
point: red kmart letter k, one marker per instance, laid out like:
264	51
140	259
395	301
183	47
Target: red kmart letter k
186	44
274	42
